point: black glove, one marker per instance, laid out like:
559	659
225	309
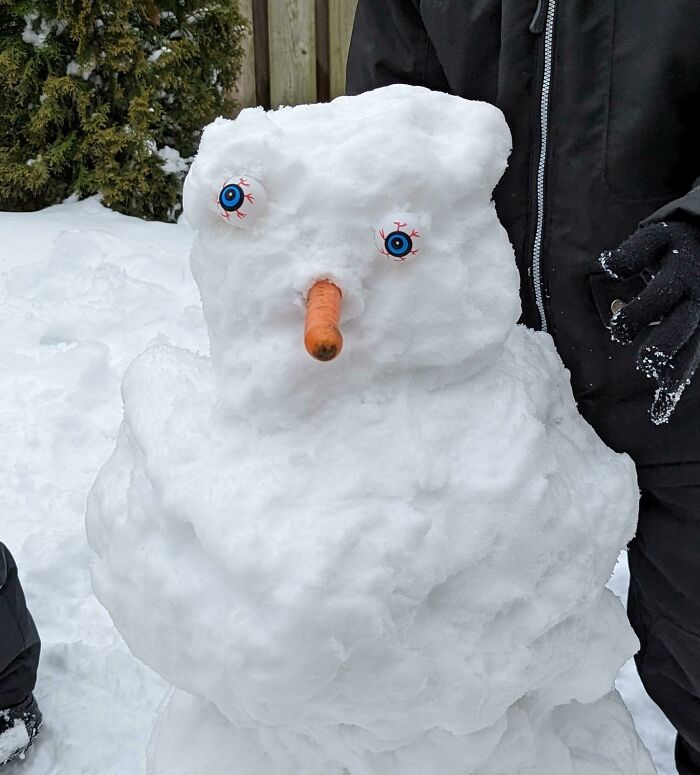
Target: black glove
670	351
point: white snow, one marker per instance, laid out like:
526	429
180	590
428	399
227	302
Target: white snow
13	739
394	563
172	161
58	419
74	68
158	53
37	38
82	291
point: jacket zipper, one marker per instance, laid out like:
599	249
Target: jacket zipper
543	21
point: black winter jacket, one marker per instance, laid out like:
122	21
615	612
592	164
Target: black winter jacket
603	101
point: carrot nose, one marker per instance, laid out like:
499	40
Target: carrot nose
322	335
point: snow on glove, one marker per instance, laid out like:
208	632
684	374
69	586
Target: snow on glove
670	352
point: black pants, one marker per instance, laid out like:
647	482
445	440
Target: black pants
664	608
19	640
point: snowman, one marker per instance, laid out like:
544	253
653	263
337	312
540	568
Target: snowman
370	534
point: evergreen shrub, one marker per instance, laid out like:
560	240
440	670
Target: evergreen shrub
110	97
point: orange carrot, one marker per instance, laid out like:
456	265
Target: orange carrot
322	335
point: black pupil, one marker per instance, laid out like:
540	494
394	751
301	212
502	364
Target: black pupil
231	198
399	244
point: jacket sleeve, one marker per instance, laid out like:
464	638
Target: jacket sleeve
684	209
390	45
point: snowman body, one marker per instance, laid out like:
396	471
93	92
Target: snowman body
394	562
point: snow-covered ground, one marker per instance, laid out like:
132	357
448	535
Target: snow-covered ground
85	290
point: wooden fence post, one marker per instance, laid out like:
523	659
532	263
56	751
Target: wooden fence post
342	16
245	92
297	52
292	52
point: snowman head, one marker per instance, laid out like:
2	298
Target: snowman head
372	211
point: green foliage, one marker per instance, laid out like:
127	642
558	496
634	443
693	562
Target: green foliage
110	97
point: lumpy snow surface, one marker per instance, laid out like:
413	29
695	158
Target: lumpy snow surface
393	563
12	740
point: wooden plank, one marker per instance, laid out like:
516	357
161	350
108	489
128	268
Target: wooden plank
292	52
342	16
244	91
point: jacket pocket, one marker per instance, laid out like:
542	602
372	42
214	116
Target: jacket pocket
618	376
652	147
608	293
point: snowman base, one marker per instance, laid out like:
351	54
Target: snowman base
192	736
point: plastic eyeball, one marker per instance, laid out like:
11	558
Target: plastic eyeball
399	236
241	201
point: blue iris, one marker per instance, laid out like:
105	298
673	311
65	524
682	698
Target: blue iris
398	244
231	197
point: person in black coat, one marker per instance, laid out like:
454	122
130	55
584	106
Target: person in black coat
20	718
601	201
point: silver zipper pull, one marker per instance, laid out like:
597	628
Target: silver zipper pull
539	20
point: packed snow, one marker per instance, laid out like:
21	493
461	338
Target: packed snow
391	563
14	739
84	290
